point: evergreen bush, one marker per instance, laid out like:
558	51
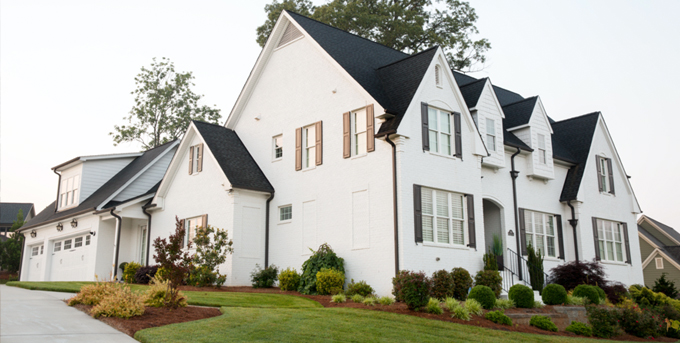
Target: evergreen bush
442	284
580	329
554	294
289	280
543	323
587	291
329	281
522	295
484	295
498	317
324	257
491	279
264	278
130	271
462	283
665	286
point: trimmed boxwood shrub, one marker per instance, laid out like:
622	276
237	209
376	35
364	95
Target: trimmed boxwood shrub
600	293
498	317
484	295
522	295
289	280
491	279
360	287
587	291
442	285
329	281
580	329
144	274
463	283
554	294
543	323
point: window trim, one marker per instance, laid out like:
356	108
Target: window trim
601	237
545	220
658	261
274	148
450	218
285	221
308	148
435	148
491	147
541	145
187	226
69	192
355	134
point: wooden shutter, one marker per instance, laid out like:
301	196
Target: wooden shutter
319	143
417	214
596	238
560	235
599	173
346	136
298	148
522	233
182	224
472	236
425	128
611	176
459	138
370	131
191	160
625	237
204	220
199	163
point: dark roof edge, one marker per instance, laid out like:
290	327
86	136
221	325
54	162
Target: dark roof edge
473	82
23	228
409	56
518	146
577	117
517	102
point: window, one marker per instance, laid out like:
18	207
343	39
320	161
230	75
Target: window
67	244
491	134
277	143
195	159
541	149
359	132
191	225
438	75
610	240
42	249
35	251
605	175
78	242
57	246
87	240
309	140
443	217
439	124
68	192
659	262
285	213
540	232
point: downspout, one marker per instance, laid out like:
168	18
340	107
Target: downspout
514	173
573	221
21	261
266	232
148	233
118	229
56	204
394	203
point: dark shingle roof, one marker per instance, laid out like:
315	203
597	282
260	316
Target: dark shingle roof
233	157
672	251
519	113
667	229
462	79
105	191
472	91
510	139
9	211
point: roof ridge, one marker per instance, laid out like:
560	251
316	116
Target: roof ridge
473	82
582	116
517	102
408	56
213	124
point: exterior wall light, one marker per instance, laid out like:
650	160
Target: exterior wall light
93	233
33	234
74	223
60	227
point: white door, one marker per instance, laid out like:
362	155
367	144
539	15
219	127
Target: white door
70	259
36	262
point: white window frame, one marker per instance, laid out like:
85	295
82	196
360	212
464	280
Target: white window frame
491	134
88	239
359	132
57	246
542	155
277	148
659	262
70	244
35	251
437	134
438	217
604	176
611	248
78	242
533	221
309	146
69	195
282	214
194	159
191	225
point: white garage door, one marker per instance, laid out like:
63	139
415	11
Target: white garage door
36	262
71	260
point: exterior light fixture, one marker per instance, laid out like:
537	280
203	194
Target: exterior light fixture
33	234
74	223
93	233
60	227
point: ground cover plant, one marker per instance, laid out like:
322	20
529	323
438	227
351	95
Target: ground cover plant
434	306
360	287
370	301
385	300
498	317
122	303
339	298
543	323
474	307
522	296
504	304
324	257
357	298
580	329
484	295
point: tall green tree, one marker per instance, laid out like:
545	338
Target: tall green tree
10	250
406	25
164	107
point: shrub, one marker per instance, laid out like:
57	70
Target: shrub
144	274
474	307
491	279
434	306
93	294
324	257
554	294
588	292
360	287
357	298
543	323
484	295
601	294
203	276
504	304
339	298
399	281
535	266
329	281
646	297
161	273
172	257
580	329
387	301
639	322
538	304
575	273
130	271
442	284
498	317
461	312
572	300
414	289
159	295
462	283
615	292
212	247
490	262
603	321
123	303
264	278
370	301
523	296
669	312
665	286
289	280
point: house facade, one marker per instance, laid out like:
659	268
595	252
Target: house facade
659	251
9	212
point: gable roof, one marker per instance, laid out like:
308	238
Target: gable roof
10	210
472	91
669	231
671	251
104	192
519	113
233	157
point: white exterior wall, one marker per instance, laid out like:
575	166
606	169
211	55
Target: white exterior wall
489	108
97	172
539	125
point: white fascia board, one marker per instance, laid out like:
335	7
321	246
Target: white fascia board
134	202
518	127
111	156
659	252
174	165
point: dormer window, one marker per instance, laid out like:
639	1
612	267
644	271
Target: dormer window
541	149
438	75
196	159
69	192
491	134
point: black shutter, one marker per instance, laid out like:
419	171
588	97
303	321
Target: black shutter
560	235
522	233
417	214
625	237
472	237
425	129
597	239
611	176
459	140
599	172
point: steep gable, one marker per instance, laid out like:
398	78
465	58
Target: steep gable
576	135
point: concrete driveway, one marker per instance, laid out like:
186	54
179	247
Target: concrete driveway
37	316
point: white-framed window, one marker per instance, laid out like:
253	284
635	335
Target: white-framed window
358	124
57	246
491	134
191	225
277	147
443	217
540	232
309	145
610	236
605	174
286	213
440	124
68	192
67	244
659	262
87	240
438	75
35	251
78	242
541	149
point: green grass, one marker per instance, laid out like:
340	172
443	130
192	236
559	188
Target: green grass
330	324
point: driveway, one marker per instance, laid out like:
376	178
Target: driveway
37	316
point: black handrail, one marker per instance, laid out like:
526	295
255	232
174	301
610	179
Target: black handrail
523	268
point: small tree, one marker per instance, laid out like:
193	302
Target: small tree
212	247
536	274
10	250
665	286
174	261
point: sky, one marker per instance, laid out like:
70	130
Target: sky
67	69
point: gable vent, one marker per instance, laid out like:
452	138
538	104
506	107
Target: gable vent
289	35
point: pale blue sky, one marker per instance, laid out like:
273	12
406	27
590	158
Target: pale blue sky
67	69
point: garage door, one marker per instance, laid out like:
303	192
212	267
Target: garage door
71	260
36	262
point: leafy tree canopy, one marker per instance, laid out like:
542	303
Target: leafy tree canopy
164	107
10	250
406	25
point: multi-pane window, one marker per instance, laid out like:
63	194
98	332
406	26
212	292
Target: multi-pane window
541	149
191	225
540	232
57	246
359	132
610	238
67	244
87	240
71	243
195	160
440	128
443	217
285	213
309	146
604	173
491	134
35	251
278	146
78	242
68	192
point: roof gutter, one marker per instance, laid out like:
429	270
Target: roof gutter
394	204
266	233
119	222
